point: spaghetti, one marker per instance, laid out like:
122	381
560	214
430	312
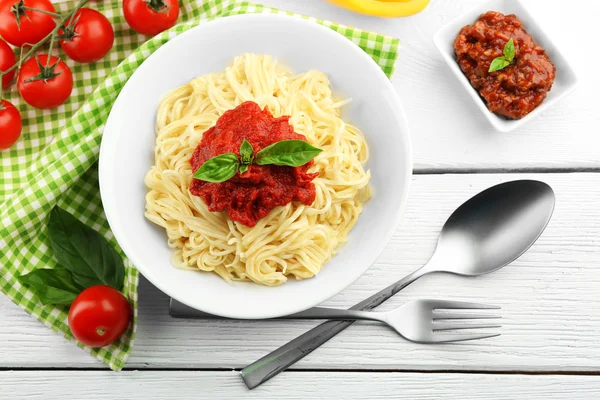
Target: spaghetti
294	240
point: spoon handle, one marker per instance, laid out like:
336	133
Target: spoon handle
279	360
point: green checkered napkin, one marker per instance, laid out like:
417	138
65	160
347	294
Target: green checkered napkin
54	161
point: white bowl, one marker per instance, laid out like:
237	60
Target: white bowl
564	83
126	155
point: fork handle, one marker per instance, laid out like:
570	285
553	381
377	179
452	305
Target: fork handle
337	314
280	359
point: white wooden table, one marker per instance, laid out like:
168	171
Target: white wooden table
550	343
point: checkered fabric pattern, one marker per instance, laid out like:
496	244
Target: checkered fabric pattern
54	161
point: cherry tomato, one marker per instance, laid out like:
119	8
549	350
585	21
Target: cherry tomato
7	60
150	17
99	316
92	36
33	25
45	87
10	125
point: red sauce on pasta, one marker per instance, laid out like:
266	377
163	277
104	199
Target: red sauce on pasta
250	196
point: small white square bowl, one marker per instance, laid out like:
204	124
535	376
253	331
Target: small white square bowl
565	80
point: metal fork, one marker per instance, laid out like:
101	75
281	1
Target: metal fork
421	321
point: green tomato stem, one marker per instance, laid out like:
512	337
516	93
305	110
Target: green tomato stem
49	52
56	15
157	5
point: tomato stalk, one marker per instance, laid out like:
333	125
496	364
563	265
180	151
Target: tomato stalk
19	10
52	38
69	30
157	5
46	71
24	7
62	18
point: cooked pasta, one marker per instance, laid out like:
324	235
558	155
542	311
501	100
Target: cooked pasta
292	241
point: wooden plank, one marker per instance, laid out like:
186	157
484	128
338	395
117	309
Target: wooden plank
549	299
148	385
448	130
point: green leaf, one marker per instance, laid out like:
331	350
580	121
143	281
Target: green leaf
243	168
291	153
52	286
84	252
509	50
498	63
219	168
246	153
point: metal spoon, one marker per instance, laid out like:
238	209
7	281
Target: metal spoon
483	235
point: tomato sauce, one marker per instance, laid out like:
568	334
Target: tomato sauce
516	90
250	196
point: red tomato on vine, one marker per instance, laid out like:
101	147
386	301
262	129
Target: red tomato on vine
20	26
45	83
88	36
10	124
7	60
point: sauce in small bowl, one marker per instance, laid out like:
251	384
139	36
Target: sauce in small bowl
517	89
537	102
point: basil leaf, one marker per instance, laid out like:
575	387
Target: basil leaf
52	286
246	153
219	168
84	252
498	63
291	153
509	50
243	168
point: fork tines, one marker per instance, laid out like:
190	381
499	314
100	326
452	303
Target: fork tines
449	316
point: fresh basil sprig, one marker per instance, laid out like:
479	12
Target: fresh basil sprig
219	168
246	156
246	153
290	153
52	286
505	60
85	259
84	252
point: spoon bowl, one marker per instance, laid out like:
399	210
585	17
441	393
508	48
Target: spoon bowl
493	228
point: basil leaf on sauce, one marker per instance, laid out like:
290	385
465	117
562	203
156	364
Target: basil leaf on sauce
291	153
85	253
52	286
498	64
244	168
246	154
219	168
509	50
504	61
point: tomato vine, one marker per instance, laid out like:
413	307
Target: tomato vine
52	36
